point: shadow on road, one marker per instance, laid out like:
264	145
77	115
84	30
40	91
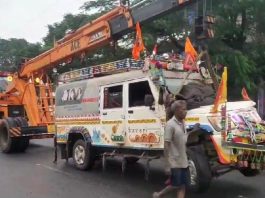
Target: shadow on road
132	184
134	177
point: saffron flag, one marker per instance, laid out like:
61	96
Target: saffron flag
221	96
138	46
190	56
245	94
189	49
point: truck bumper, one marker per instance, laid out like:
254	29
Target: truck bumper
32	132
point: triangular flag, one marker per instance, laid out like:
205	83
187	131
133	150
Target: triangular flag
189	49
138	46
221	96
245	94
188	64
155	50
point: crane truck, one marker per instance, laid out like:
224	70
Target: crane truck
116	109
27	105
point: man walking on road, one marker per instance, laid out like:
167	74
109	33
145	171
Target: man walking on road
175	151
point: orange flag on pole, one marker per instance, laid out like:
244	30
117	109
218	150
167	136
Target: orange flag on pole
245	94
189	49
221	96
138	46
190	56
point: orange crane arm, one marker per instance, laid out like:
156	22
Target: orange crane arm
92	35
99	33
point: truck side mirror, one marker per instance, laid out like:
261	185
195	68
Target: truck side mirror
148	100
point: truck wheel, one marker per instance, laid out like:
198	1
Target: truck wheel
7	144
132	160
82	155
23	142
200	172
248	172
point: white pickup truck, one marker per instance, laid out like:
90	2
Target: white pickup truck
115	109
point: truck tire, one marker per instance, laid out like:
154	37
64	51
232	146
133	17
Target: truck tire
20	144
82	155
7	143
248	172
200	172
23	142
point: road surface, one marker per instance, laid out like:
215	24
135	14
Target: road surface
33	175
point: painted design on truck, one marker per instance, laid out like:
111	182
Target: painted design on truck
149	138
116	137
96	137
143	121
72	94
144	136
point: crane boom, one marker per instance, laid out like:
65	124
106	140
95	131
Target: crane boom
86	38
99	33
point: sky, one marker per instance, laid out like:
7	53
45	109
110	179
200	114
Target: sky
28	19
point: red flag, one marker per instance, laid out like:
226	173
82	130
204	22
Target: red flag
245	94
188	64
138	46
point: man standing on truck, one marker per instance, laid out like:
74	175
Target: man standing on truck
175	151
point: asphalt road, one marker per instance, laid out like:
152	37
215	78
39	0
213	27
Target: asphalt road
33	175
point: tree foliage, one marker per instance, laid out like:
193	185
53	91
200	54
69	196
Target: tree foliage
14	50
239	42
58	30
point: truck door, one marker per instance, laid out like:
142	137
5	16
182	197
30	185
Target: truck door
112	114
143	122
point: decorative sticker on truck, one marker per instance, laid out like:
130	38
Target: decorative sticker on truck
70	95
115	137
146	136
62	133
192	119
145	121
96	136
77	99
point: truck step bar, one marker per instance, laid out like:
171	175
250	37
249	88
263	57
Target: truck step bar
124	158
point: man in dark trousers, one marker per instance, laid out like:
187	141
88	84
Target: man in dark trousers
175	151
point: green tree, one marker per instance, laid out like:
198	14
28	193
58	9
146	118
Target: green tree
239	42
58	30
12	52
